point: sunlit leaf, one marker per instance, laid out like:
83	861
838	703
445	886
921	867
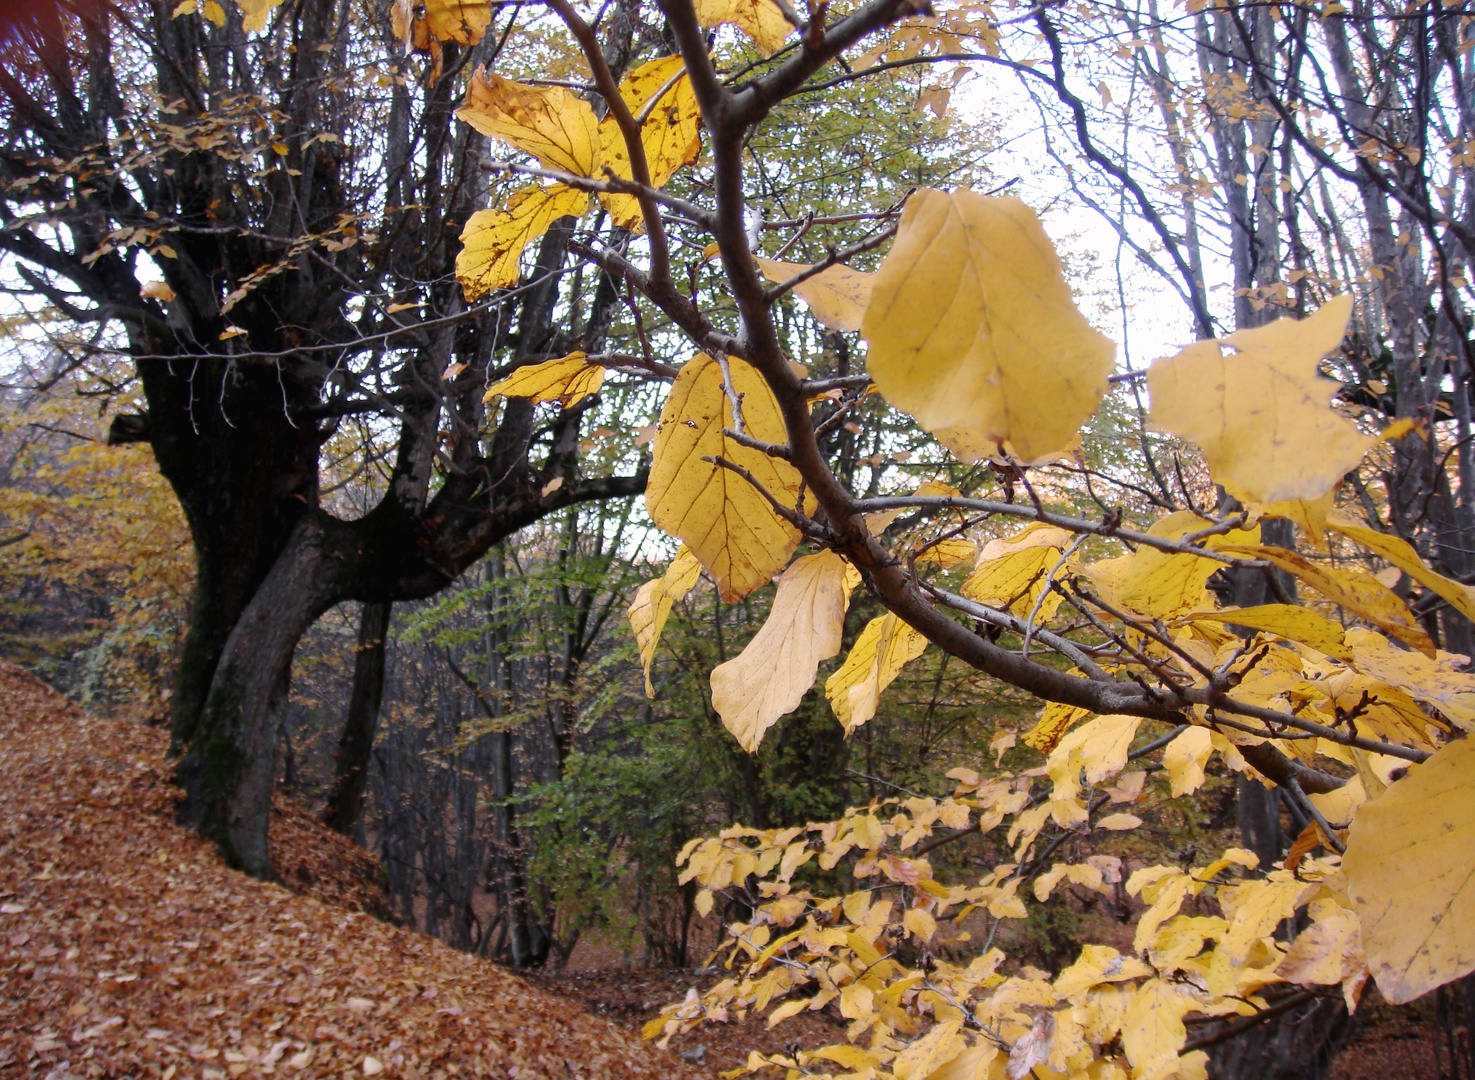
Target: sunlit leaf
461	21
1408	866
1263	412
727	523
671	134
493	240
652	605
884	647
567	380
761	20
553	124
772	674
973	331
1288	621
254	14
837	296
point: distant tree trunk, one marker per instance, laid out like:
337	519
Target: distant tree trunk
344	812
1300	1044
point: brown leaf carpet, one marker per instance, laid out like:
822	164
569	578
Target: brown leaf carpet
127	948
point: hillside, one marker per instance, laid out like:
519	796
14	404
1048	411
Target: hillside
128	948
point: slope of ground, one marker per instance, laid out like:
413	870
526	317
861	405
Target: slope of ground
128	949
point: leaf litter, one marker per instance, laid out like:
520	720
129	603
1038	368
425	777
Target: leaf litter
127	948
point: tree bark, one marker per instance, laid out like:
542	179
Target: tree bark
344	812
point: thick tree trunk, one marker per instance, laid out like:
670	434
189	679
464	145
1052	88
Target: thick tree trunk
344	812
228	770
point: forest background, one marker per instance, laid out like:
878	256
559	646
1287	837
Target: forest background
492	738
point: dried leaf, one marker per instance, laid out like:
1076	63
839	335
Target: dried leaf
493	240
567	380
553	124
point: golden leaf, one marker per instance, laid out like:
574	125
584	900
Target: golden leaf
492	240
1287	620
214	12
972	329
1185	758
761	20
1438	681
1163	584
1119	822
254	13
461	21
554	125
836	296
1153	1028
1263	415
1360	593
1408	872
671	133
157	290
884	647
937	1047
567	380
1402	555
725	521
1055	720
1012	572
1327	952
652	605
771	676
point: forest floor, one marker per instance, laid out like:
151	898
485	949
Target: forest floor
128	948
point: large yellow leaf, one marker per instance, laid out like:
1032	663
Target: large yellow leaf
254	13
837	296
1263	414
1287	620
884	647
492	240
972	329
1360	593
652	605
1012	572
554	125
761	20
1055	720
461	21
1411	875
671	133
1402	555
725	521
568	381
1153	1028
1328	951
1164	584
771	676
1185	758
1438	681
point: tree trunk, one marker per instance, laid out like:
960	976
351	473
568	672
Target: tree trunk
1297	1045
228	770
345	802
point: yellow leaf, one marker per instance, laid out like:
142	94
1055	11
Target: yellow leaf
1099	746
1119	822
1326	952
856	1001
568	381
1402	555
1185	758
1007	358
1262	415
1309	514
937	1047
703	902
972	1064
761	20
461	21
492	240
836	296
1438	681
671	134
1358	592
786	1010
1012	572
553	124
920	924
185	7
1255	909
884	647
849	1057
1288	621
254	13
652	605
771	676
725	521
1408	866
157	290
1164	584
1055	720
214	12
1153	1026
